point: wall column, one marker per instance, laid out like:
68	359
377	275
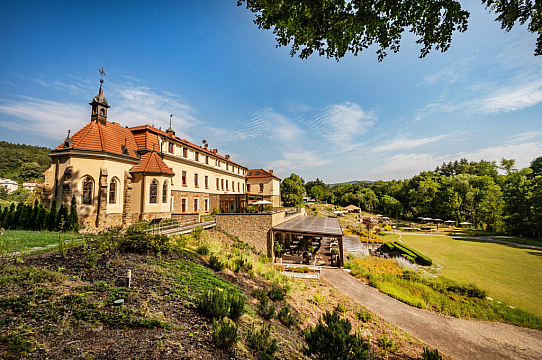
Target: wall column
101	216
127	205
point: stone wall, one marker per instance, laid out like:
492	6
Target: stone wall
253	229
47	187
186	218
148	216
189	196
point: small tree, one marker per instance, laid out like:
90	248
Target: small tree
16	216
40	219
52	218
31	225
62	218
8	218
330	339
73	218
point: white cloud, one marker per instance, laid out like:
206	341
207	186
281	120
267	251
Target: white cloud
296	161
452	74
341	124
402	142
130	106
404	165
524	136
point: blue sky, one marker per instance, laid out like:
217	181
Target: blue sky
223	79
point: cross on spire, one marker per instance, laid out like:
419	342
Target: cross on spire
102	74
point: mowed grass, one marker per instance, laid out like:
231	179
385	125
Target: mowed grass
509	273
18	240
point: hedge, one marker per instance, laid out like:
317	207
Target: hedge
422	259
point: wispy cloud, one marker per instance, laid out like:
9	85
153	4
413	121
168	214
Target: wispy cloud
342	124
299	160
130	77
403	142
130	106
452	74
405	165
524	136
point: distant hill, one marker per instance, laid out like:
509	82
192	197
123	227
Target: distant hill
22	162
353	182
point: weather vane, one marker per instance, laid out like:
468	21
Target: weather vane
170	116
102	73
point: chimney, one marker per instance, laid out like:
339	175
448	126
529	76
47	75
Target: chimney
271	172
215	151
227	157
206	146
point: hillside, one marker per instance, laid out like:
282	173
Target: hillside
22	162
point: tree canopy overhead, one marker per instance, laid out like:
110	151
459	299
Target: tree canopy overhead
336	27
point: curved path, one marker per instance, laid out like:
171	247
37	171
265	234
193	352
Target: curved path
462	339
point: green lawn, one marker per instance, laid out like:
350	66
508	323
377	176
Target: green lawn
509	273
17	240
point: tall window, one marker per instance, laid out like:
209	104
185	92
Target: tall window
196	203
183	205
206	181
218	163
222	183
206	202
185	152
170	148
226	185
248	187
217	185
227	166
113	192
243	187
206	159
261	187
238	187
196	156
153	193
184	178
164	193
87	191
196	180
233	186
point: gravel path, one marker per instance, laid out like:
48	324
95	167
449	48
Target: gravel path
462	339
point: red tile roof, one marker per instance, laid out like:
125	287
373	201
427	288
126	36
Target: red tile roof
151	162
149	139
110	138
261	174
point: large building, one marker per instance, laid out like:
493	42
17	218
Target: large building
122	175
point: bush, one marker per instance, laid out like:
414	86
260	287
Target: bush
266	310
364	315
224	332
215	264
259	293
143	243
285	315
430	354
203	249
218	304
215	211
260	341
276	293
197	233
330	339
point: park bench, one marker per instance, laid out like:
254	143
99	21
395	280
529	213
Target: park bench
521	241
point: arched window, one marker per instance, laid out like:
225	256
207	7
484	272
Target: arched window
102	112
164	193
113	192
87	191
153	199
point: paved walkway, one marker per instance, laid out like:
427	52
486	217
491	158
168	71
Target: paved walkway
462	339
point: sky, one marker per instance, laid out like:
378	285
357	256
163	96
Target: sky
224	80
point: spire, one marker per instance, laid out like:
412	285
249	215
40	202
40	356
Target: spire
101	93
170	130
99	104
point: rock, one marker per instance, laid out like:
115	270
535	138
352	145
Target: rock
119	302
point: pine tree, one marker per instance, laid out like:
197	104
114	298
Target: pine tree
16	216
62	218
40	219
31	225
8	218
51	219
73	219
25	214
3	213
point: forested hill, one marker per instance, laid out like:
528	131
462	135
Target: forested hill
22	162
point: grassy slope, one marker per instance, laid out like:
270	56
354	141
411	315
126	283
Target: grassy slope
18	240
509	273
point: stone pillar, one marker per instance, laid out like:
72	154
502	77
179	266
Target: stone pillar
47	187
127	206
101	215
67	190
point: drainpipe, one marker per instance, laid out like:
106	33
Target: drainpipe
142	197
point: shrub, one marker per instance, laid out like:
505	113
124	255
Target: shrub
259	293
203	249
430	354
218	304
197	233
285	315
331	339
266	310
388	344
302	270
224	332
364	315
215	264
260	341
142	243
276	293
216	210
341	308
